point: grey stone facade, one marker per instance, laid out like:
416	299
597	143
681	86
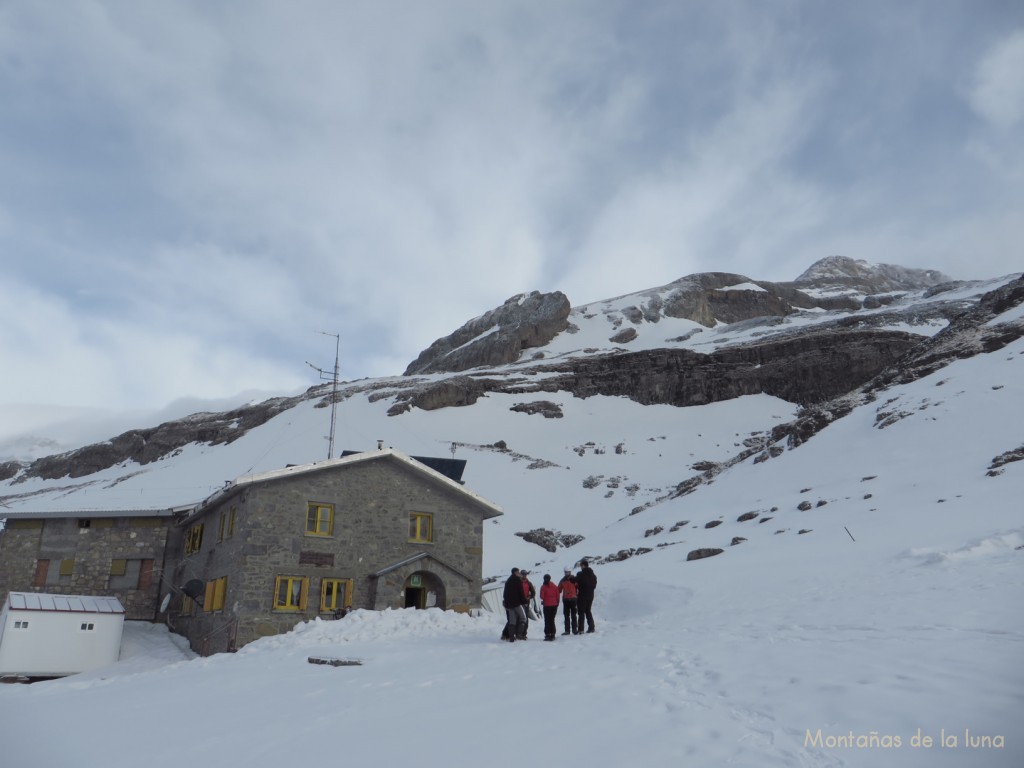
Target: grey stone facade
368	548
256	545
105	553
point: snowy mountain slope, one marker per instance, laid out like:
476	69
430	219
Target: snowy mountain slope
895	613
786	650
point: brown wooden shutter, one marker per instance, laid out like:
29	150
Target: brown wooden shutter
42	566
145	574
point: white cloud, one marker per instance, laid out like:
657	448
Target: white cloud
998	92
224	186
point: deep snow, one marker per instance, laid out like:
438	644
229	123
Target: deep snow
897	612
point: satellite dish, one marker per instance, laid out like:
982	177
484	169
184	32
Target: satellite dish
165	603
195	588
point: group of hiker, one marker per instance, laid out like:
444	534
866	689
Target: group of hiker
575	593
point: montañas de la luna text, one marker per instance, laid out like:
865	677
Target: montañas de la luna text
878	740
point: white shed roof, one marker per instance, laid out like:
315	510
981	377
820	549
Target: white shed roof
33	601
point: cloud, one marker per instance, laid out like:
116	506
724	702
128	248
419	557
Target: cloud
998	92
195	193
57	353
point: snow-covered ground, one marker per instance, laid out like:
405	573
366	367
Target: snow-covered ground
771	656
847	634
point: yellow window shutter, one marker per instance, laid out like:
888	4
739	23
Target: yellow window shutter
220	588
304	594
208	596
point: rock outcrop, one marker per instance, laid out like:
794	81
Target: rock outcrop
499	336
710	298
970	333
806	369
147	445
857	274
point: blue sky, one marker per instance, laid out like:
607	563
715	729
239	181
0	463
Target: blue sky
190	192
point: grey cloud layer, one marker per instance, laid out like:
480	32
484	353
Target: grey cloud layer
202	186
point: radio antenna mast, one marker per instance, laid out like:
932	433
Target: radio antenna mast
333	378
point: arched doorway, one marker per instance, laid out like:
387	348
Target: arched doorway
424	589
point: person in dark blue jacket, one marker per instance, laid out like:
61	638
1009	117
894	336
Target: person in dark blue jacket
514	601
586	584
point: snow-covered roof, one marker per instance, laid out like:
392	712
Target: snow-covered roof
492	510
14	513
34	601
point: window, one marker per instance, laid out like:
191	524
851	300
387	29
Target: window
222	525
130	574
290	593
21	625
47	576
95	522
188	606
88	627
335	594
215	591
194	539
146	522
320	519
421	527
231	521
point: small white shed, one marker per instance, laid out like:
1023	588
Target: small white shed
55	635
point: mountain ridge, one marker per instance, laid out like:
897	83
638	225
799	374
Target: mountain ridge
810	368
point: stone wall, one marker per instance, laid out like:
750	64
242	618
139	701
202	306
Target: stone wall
372	502
93	544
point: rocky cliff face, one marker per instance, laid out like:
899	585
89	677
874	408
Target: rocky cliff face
838	272
845	354
498	337
807	369
146	445
722	297
970	333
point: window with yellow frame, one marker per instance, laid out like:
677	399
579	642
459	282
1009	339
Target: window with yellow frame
319	519
290	593
335	594
421	527
194	539
213	600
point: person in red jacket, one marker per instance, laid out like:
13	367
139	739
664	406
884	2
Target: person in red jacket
530	604
567	586
549	602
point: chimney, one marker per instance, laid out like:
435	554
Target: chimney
380	445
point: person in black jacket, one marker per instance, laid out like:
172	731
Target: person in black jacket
586	583
514	600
